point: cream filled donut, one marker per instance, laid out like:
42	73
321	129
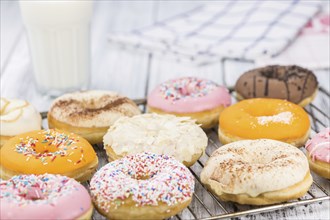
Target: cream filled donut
17	117
175	136
257	172
318	153
200	99
44	197
89	113
142	186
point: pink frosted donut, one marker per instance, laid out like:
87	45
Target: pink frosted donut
197	98
318	151
142	186
44	197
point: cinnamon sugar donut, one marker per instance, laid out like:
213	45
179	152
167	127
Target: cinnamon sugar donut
90	113
257	172
17	117
292	83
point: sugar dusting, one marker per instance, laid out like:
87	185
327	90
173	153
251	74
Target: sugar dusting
283	117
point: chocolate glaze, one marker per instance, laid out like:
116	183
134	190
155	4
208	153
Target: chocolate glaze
292	83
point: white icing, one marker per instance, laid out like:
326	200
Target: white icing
18	116
283	117
92	99
254	167
179	137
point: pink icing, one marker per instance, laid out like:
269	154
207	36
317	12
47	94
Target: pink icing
319	146
187	95
43	197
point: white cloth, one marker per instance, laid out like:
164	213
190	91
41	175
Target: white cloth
310	50
236	29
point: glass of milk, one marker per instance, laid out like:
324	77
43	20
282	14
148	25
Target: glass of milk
59	39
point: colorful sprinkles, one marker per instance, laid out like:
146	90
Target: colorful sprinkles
182	88
146	177
36	189
61	141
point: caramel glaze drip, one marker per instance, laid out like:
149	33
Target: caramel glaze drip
292	83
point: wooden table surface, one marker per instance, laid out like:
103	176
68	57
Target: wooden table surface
131	74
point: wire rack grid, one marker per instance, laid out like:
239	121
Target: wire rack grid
206	206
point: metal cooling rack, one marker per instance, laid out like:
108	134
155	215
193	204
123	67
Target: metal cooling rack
206	206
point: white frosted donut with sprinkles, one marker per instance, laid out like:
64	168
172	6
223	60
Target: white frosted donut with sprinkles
44	197
200	99
143	186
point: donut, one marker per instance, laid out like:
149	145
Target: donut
292	83
89	113
179	137
318	153
257	172
200	99
44	197
48	151
264	118
142	186
17	117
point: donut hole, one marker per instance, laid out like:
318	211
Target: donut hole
142	174
259	112
43	150
141	177
90	104
32	193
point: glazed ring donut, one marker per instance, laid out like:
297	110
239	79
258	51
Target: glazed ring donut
200	99
318	153
292	83
44	197
174	136
142	186
48	151
264	118
257	172
89	113
17	117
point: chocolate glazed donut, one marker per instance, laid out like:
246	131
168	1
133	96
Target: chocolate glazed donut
293	83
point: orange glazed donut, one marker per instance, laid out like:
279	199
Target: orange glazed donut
48	151
264	118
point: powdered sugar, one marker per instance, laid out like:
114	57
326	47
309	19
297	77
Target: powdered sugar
283	117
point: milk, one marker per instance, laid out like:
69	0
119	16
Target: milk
59	39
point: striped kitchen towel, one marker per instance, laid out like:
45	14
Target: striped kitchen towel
310	49
236	29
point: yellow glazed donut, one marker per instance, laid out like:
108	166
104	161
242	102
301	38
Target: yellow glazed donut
264	118
257	172
48	151
17	117
179	137
142	186
89	113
